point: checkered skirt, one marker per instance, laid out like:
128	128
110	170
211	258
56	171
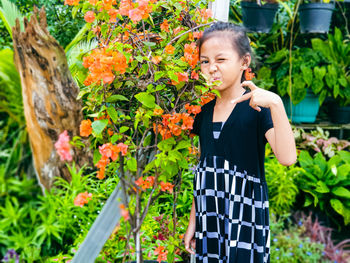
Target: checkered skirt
232	217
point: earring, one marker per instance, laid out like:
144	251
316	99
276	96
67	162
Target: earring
248	75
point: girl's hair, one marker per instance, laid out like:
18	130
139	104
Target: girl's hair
237	35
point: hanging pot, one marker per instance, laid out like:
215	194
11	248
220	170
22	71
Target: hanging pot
305	111
315	17
258	18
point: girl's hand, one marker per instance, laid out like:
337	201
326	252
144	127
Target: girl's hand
190	242
258	97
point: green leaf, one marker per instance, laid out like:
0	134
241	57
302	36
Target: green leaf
112	113
149	44
167	144
341	192
321	162
183	145
332	76
147	140
321	187
305	159
116	137
337	206
123	129
115	98
146	99
307	74
278	56
132	164
319	72
98	126
158	75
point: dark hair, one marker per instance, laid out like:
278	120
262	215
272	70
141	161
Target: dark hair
237	34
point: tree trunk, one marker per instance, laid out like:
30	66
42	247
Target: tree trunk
49	97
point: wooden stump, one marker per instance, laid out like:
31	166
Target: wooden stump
49	97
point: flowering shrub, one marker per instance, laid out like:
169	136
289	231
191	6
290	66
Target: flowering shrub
141	92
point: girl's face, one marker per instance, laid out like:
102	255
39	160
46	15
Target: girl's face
220	61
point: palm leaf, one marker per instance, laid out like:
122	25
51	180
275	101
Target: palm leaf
9	13
10	88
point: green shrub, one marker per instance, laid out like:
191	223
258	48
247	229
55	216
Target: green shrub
326	184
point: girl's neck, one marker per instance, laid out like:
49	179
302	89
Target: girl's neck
230	94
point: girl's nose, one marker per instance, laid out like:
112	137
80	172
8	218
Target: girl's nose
213	67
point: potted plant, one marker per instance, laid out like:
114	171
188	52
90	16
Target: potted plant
302	89
315	16
335	53
258	16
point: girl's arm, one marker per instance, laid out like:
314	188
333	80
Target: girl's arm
281	136
189	235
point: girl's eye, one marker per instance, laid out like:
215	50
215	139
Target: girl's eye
221	59
204	61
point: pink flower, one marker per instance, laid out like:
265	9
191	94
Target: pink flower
62	147
135	15
82	198
123	148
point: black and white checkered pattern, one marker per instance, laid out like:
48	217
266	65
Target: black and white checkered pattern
232	217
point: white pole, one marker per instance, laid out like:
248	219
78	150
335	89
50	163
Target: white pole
220	9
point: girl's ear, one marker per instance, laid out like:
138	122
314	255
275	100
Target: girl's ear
246	61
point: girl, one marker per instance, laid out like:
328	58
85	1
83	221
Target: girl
229	219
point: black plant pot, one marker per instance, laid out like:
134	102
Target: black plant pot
340	114
315	17
258	18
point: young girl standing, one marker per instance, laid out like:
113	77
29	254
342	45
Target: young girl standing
229	219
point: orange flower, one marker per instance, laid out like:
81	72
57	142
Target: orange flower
103	162
181	76
110	132
85	128
191	54
165	26
82	198
194	75
177	30
112	15
166	187
108	4
124	7
162	254
125	212
158	112
207	97
102	63
169	49
101	173
175	129
71	2
89	16
156	59
198	35
190	36
93	2
193	109
187	122
248	75
181	236
206	13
